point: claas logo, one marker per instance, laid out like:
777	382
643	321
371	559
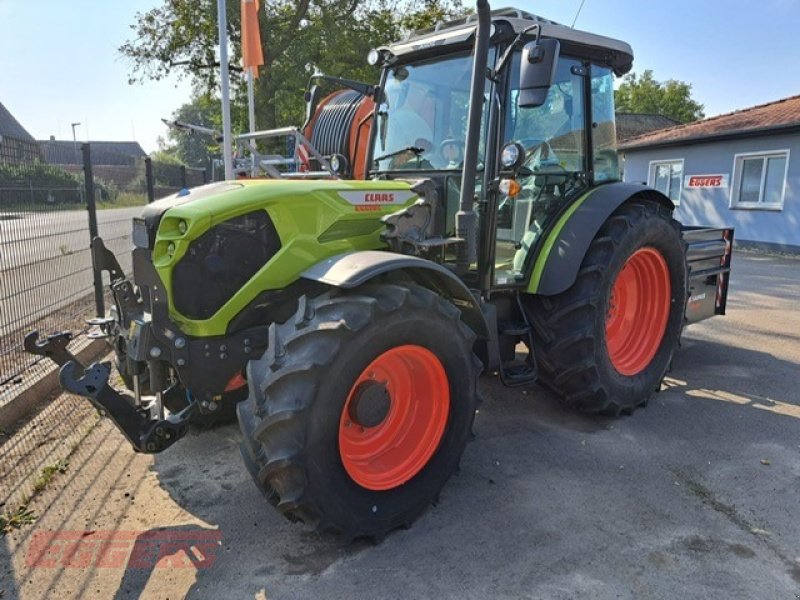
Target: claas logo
378	197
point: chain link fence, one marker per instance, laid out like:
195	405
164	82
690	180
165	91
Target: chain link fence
47	280
43	259
48	283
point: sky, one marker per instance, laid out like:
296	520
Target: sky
59	61
60	64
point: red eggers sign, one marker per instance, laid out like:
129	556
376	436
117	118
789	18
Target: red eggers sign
706	181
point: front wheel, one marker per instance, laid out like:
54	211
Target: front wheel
361	408
605	344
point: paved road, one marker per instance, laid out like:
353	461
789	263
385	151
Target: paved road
696	496
45	261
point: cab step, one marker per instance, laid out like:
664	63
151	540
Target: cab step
523	371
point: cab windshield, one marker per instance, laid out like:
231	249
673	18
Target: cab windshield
422	123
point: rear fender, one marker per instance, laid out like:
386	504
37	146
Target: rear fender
558	258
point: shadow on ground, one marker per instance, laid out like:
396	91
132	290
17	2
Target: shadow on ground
716	396
697	492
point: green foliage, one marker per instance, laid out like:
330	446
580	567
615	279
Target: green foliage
166	157
672	98
43	187
192	148
167	174
38	174
167	171
15	519
22	515
299	37
104	191
47	474
38	184
123	200
429	14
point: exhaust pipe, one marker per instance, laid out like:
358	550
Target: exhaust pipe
466	218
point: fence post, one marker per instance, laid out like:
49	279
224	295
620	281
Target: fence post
205	175
148	176
91	207
183	176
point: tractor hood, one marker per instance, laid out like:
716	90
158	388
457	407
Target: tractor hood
220	201
239	239
215	201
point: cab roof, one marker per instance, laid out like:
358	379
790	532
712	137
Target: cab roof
616	54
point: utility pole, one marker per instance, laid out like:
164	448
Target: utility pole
75	143
227	145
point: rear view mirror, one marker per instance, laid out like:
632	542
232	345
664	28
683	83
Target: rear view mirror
537	71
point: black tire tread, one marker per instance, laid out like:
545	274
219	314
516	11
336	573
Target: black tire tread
564	325
284	381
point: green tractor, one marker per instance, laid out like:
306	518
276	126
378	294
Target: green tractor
463	216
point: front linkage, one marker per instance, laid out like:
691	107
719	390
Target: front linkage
145	431
187	375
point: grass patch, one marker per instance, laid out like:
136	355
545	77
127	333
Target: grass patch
16	519
47	474
22	515
123	200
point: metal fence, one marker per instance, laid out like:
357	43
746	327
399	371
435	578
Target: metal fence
47	218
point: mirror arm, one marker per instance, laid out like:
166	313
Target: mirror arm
513	46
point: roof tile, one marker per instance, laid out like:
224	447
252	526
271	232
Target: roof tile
11	127
780	113
60	152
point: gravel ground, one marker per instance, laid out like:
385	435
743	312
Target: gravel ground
696	496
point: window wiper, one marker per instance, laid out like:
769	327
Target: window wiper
415	149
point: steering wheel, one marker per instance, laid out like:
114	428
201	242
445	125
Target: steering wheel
452	151
413	160
542	155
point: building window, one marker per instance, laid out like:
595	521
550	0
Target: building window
759	180
667	177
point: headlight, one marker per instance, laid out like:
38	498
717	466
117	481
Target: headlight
512	155
373	57
338	164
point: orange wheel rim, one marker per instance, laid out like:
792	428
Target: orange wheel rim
394	417
638	311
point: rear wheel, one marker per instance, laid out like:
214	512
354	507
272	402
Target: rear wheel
361	408
605	344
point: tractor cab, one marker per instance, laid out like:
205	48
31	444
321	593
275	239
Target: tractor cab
555	110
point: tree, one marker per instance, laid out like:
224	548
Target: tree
196	149
670	98
300	37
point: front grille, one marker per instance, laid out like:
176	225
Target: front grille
221	261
